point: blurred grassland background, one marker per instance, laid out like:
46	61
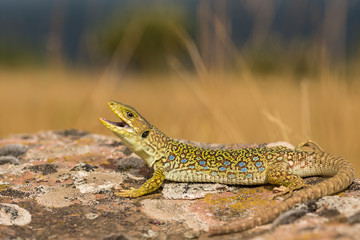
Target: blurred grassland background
210	71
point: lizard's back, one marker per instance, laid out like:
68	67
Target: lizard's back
247	166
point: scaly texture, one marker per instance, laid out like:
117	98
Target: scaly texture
181	162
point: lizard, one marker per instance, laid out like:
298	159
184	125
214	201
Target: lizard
279	165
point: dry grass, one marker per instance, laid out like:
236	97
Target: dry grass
223	108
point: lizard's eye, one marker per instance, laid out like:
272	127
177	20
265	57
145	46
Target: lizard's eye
145	134
130	114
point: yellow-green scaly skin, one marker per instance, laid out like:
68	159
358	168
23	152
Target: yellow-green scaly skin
181	162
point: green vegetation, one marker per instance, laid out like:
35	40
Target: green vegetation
146	39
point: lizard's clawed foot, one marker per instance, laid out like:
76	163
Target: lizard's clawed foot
282	191
310	144
286	192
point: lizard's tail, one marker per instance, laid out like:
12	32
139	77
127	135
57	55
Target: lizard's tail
340	181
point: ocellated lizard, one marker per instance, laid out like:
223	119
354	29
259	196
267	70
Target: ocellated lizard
181	162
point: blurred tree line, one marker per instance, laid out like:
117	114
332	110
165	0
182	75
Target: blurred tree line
298	36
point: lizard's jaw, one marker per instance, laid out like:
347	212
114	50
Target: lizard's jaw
121	125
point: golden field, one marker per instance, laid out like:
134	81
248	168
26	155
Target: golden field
219	107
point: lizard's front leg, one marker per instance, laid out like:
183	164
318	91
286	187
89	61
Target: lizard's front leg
149	186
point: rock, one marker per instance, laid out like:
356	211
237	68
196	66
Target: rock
62	187
12	214
192	190
9	159
10	153
15	150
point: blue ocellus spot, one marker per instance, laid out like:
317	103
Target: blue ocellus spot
231	175
214	173
167	165
206	168
258	164
192	166
249	175
256	158
243	170
241	164
222	168
227	163
171	157
261	169
202	162
183	160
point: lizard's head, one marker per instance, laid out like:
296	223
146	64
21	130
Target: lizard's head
136	133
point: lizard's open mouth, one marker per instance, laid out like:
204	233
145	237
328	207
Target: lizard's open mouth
121	124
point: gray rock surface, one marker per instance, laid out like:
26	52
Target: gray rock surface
60	184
